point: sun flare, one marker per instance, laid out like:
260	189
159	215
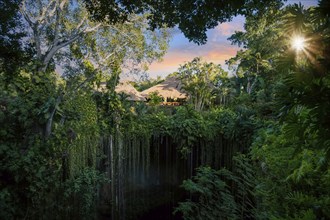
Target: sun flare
298	43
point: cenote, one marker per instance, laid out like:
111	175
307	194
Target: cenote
164	110
147	173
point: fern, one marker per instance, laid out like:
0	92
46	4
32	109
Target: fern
221	194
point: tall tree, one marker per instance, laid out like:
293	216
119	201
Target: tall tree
96	46
200	79
262	41
55	25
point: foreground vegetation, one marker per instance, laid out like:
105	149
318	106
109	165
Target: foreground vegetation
273	114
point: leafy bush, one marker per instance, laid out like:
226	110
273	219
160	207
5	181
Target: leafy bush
81	193
220	194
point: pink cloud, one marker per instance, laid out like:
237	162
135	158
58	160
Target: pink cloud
215	53
220	56
225	29
216	50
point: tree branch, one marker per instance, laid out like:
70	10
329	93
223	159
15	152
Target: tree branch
34	27
57	23
45	11
54	7
62	4
92	29
81	23
25	15
49	54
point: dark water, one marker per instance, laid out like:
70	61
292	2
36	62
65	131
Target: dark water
164	212
166	199
155	203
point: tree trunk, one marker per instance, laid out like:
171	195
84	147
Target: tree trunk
49	124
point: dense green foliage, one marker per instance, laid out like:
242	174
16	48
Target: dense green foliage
63	140
289	91
42	177
221	194
50	123
200	80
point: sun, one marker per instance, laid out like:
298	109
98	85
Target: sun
298	43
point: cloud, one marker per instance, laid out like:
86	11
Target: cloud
229	28
225	29
221	55
211	52
216	50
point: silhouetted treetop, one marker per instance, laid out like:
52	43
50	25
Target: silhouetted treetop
193	17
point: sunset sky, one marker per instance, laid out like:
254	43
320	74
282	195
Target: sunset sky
217	49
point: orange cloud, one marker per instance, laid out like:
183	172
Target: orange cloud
215	53
221	55
171	62
216	50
